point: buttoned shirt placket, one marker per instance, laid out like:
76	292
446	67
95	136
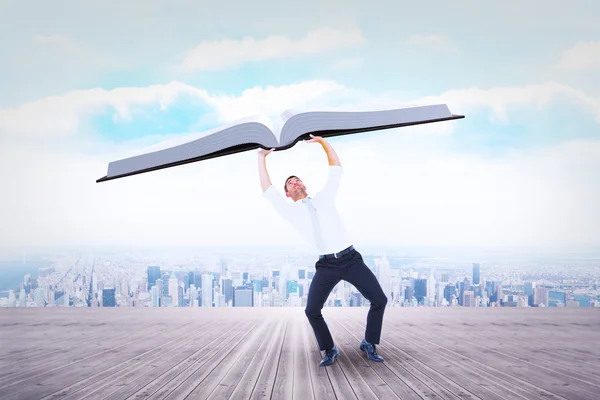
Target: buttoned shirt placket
315	224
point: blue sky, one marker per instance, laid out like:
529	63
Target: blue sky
86	84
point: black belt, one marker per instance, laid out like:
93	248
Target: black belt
337	255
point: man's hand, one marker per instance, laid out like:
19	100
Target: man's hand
314	139
263	153
332	157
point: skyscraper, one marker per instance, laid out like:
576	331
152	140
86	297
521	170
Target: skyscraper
207	290
174	290
108	297
243	297
153	275
420	289
227	289
476	274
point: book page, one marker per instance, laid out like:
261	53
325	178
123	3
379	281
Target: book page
241	134
298	123
184	138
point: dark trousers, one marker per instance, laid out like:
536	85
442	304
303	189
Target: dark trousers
350	268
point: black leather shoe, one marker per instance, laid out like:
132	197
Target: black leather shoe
329	357
371	351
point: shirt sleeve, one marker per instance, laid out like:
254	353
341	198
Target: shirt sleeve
333	182
278	201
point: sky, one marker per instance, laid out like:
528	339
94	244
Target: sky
86	83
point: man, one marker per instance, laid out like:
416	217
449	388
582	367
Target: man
317	220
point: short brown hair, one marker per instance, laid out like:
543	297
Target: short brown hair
286	181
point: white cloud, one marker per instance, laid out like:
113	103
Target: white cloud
500	99
397	188
582	56
438	42
230	53
64	115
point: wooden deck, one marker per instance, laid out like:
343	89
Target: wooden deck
250	353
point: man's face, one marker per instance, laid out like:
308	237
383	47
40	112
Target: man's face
295	188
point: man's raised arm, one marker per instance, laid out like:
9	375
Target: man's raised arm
335	169
332	156
265	180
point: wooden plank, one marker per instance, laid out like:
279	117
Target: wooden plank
122	377
302	387
248	381
408	376
341	387
446	374
150	379
244	371
356	365
467	352
321	385
266	378
356	369
283	385
426	384
82	366
560	357
204	384
508	357
171	380
439	350
34	353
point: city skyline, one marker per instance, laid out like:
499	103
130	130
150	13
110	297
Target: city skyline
198	279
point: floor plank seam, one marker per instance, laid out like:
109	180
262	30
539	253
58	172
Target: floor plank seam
497	372
398	376
190	336
216	365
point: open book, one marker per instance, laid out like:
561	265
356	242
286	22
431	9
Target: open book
254	132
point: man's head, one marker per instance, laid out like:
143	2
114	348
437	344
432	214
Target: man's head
294	188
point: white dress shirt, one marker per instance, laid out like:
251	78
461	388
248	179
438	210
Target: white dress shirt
331	235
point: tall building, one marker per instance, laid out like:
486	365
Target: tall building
207	291
301	273
190	280
292	287
153	275
155	296
174	290
449	292
243	297
476	275
468	298
257	284
165	284
108	297
540	296
180	298
431	287
420	289
227	290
